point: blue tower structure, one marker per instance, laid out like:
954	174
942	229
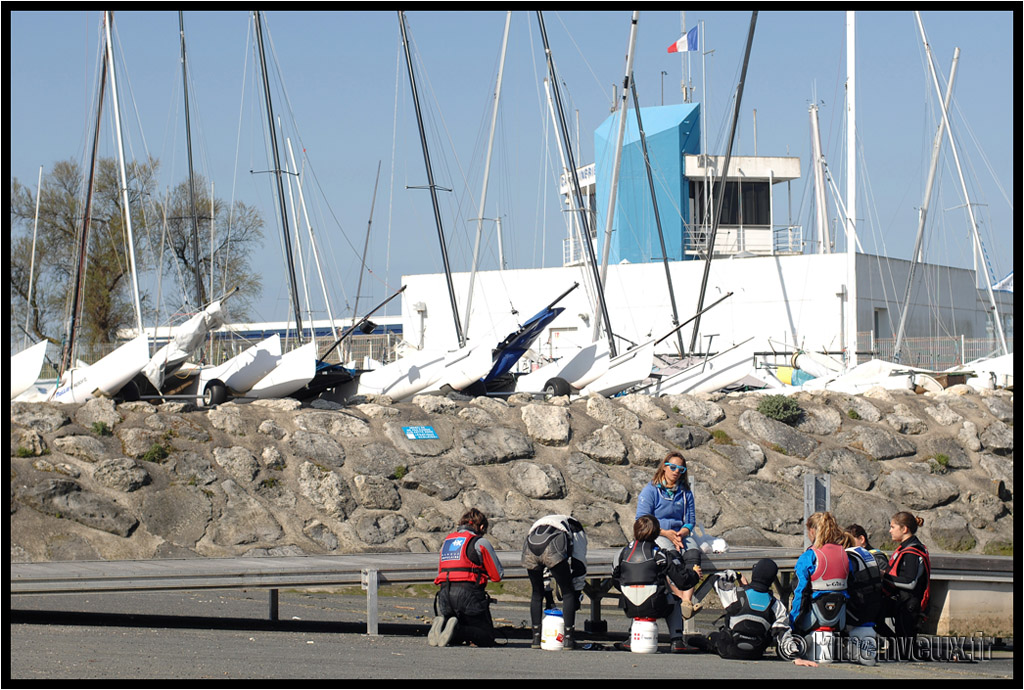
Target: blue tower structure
672	131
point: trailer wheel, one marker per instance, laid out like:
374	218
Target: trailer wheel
215	393
557	387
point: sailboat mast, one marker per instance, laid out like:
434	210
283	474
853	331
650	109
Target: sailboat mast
851	191
83	244
108	20
725	181
657	215
487	173
430	181
200	300
277	175
577	191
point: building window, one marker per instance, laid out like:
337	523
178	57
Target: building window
745	203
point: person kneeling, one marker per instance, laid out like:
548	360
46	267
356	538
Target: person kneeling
467	562
754	617
642	571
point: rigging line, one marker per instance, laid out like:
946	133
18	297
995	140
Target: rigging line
238	146
394	146
600	86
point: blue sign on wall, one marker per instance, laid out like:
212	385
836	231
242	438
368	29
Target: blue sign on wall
417	433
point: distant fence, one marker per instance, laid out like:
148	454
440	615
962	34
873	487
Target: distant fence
937	353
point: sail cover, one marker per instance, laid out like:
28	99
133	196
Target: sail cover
509	350
187	337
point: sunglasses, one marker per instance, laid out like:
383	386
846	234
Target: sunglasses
677	468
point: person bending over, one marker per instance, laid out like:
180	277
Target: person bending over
559	544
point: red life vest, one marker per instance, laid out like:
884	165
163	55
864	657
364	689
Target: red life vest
922	553
455	564
831	570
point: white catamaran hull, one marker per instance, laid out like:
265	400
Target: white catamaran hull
624	371
25	368
293	371
401	379
107	376
721	370
582	368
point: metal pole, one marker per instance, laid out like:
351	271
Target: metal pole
577	192
725	177
657	216
487	172
32	261
923	212
430	181
200	300
851	191
277	174
963	183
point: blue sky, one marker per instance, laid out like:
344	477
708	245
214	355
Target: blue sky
338	70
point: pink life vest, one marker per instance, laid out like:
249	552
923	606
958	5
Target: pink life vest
832	569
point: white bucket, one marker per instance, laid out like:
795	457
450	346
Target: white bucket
643	638
552	630
819	646
863	645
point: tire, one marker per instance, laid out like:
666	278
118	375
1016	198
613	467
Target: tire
214	394
557	387
129	392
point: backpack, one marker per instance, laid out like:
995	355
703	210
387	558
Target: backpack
750	620
864	588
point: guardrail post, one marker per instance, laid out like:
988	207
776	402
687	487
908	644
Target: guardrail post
273	605
817	497
596	589
370	581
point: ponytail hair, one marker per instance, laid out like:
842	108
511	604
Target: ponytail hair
857	532
826	530
475	519
908	521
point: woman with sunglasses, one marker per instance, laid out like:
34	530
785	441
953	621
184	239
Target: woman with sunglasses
668	497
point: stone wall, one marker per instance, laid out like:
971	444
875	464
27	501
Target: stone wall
99	481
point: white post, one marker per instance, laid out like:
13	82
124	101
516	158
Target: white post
963	184
616	164
32	261
821	210
124	178
851	193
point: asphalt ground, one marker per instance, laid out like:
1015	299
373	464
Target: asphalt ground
226	635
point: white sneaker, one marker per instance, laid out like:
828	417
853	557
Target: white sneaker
435	630
448	632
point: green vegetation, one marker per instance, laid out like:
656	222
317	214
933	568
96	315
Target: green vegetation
779	449
156	453
400	472
722	437
852	414
101	429
780	408
998	548
24	452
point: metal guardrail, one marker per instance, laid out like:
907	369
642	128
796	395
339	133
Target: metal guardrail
370	570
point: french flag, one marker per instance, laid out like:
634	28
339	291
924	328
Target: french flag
686	43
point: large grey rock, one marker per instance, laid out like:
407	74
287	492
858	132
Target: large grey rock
476	415
376	411
763	504
243	520
1000	408
66	499
997	438
378	458
956	458
706	505
442	480
179	514
590	476
748	536
174	426
421	447
644	406
484	502
601	520
493	406
981	509
849	467
918	491
337	424
433	520
326	490
540	481
968	436
745	457
87	448
646	451
98	411
703	412
436	404
943	414
268	427
871	510
28	441
43	417
238	461
607	412
137	442
280	404
547	425
903	420
317	447
819	421
192	468
776	434
998	468
121	474
492	445
380	528
864	409
227	418
604	445
509	534
686	437
877	442
949	531
376	492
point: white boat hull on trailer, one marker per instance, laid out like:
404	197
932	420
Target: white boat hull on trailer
995	372
716	372
240	373
401	379
25	368
107	376
293	371
585	366
624	371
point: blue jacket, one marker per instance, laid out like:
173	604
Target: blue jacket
673	512
804	568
